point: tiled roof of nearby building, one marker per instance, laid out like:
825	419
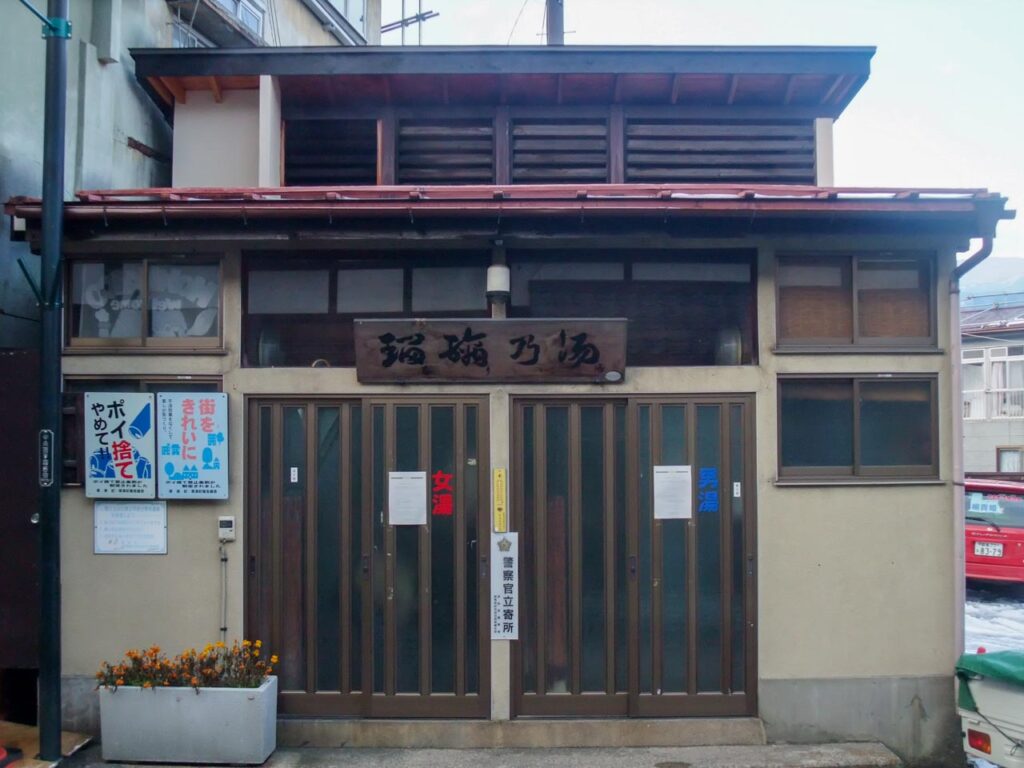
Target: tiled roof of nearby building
993	318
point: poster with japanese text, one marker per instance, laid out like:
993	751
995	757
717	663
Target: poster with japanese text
192	445
119	445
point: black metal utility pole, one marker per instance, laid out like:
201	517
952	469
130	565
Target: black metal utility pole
556	22
56	30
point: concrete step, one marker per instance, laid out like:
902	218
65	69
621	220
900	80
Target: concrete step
860	755
521	733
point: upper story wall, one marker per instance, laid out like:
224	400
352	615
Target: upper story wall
503	116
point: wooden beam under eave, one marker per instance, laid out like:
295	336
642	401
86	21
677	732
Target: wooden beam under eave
734	84
677	87
617	90
831	90
161	90
218	94
790	89
558	89
175	88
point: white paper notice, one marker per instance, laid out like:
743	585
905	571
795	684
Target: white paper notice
673	492
407	498
504	586
130	528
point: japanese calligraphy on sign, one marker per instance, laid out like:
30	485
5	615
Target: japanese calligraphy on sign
119	445
483	350
193	445
504	586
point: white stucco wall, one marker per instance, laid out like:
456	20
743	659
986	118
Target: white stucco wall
217	144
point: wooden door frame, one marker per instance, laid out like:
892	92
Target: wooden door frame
367	703
634	703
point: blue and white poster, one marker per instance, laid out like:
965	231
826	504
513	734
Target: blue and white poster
192	445
119	445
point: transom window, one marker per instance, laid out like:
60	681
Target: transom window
883	300
144	303
303	315
865	426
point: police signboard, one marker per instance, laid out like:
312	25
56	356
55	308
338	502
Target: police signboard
119	445
193	445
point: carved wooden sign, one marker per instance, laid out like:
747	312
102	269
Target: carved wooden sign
491	351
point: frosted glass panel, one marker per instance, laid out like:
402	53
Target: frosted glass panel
522	274
370	290
288	292
449	288
691	272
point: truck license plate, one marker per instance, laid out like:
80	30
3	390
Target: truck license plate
987	549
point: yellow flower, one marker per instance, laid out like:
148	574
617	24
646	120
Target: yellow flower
273	659
256	653
246	643
220	644
259	643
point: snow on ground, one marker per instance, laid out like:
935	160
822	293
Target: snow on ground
994	618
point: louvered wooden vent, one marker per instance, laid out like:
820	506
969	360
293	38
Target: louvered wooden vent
445	152
330	152
553	152
661	151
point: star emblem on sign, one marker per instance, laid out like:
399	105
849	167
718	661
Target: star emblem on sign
504	545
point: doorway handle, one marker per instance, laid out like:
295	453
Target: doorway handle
366	566
632	566
483	566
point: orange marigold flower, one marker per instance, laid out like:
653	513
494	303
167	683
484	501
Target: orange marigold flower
119	681
273	659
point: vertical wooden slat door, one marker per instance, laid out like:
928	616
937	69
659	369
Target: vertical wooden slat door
369	619
623	613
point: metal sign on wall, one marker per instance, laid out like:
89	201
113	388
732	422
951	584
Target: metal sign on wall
193	445
491	351
119	445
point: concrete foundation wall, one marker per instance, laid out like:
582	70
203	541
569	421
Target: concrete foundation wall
914	716
856	583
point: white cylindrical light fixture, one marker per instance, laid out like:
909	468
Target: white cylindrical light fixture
499	283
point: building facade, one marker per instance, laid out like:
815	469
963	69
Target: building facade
623	279
992	358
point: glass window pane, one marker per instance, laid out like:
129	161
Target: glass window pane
621	554
184	300
974	376
471	510
896	423
380	495
293	551
106	300
370	290
691	271
328	548
817	424
523	273
893	299
592	526
558	529
444	289
673	562
1010	459
711	503
738	614
527	594
815	300
288	291
646	512
407	559
444	482
355	481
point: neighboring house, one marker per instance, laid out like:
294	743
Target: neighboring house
624	276
116	136
992	355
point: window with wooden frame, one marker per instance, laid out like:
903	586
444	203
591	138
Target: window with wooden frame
302	314
162	304
72	432
844	427
882	300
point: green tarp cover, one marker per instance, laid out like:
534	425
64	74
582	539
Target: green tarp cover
1004	666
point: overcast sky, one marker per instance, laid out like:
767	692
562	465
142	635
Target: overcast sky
943	106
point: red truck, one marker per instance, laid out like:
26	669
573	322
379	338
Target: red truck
994	512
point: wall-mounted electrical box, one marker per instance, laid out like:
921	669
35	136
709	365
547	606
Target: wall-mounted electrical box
226	528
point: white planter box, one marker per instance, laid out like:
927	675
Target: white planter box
177	725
